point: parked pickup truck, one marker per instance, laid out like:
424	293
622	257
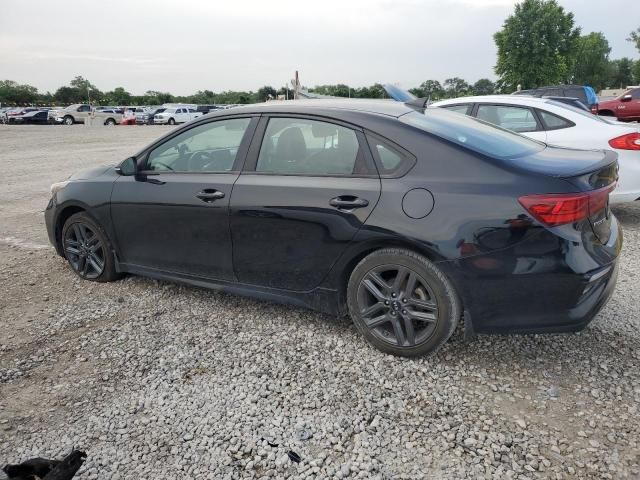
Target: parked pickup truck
174	115
625	108
84	113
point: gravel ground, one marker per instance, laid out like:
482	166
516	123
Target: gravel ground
156	380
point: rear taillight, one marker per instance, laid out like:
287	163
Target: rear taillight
555	209
630	141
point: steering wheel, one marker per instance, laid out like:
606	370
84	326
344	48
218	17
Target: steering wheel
162	164
202	157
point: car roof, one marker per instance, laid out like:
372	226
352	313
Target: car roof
380	107
515	99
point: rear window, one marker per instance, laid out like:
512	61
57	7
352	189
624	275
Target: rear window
473	134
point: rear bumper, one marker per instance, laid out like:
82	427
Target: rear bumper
544	285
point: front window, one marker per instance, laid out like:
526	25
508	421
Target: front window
473	134
211	147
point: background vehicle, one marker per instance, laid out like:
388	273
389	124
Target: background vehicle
562	125
171	116
407	220
145	117
36	117
625	108
13	113
574	102
584	93
79	113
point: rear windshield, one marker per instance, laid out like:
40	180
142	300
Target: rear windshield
579	111
468	132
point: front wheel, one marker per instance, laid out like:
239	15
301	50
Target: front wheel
402	303
68	120
172	121
87	249
110	122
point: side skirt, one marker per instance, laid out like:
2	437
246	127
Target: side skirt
320	299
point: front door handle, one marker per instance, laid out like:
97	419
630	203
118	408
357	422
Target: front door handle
210	195
348	202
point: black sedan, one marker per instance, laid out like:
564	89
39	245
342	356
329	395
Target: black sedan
408	220
39	117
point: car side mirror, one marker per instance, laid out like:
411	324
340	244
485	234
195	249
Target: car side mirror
626	98
128	167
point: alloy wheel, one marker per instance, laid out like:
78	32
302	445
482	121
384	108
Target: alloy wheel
397	305
84	250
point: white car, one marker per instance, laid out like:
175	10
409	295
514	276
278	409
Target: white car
562	125
175	115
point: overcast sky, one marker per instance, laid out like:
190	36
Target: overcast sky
183	46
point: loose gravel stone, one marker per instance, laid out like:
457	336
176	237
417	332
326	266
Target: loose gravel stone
156	380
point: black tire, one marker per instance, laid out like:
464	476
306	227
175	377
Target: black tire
68	120
77	244
171	121
110	122
404	322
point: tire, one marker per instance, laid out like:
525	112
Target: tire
68	120
110	122
82	238
400	317
171	121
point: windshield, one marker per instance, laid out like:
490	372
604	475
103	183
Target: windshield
474	134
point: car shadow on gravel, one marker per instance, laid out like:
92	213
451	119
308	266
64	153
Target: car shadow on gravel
628	214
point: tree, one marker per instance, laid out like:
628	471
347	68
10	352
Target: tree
484	86
456	87
67	95
119	96
263	94
634	37
592	61
621	73
85	90
15	93
536	45
429	89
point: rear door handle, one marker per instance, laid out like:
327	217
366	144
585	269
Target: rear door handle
348	202
210	195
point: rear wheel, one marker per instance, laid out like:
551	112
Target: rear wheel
402	303
110	122
87	249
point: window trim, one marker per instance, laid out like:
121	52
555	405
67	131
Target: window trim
142	158
468	105
406	164
539	125
547	128
363	154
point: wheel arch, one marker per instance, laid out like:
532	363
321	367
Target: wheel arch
339	277
606	113
63	216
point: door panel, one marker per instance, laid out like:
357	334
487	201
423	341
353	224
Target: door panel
174	215
309	185
286	233
162	223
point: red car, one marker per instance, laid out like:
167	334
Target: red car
625	108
